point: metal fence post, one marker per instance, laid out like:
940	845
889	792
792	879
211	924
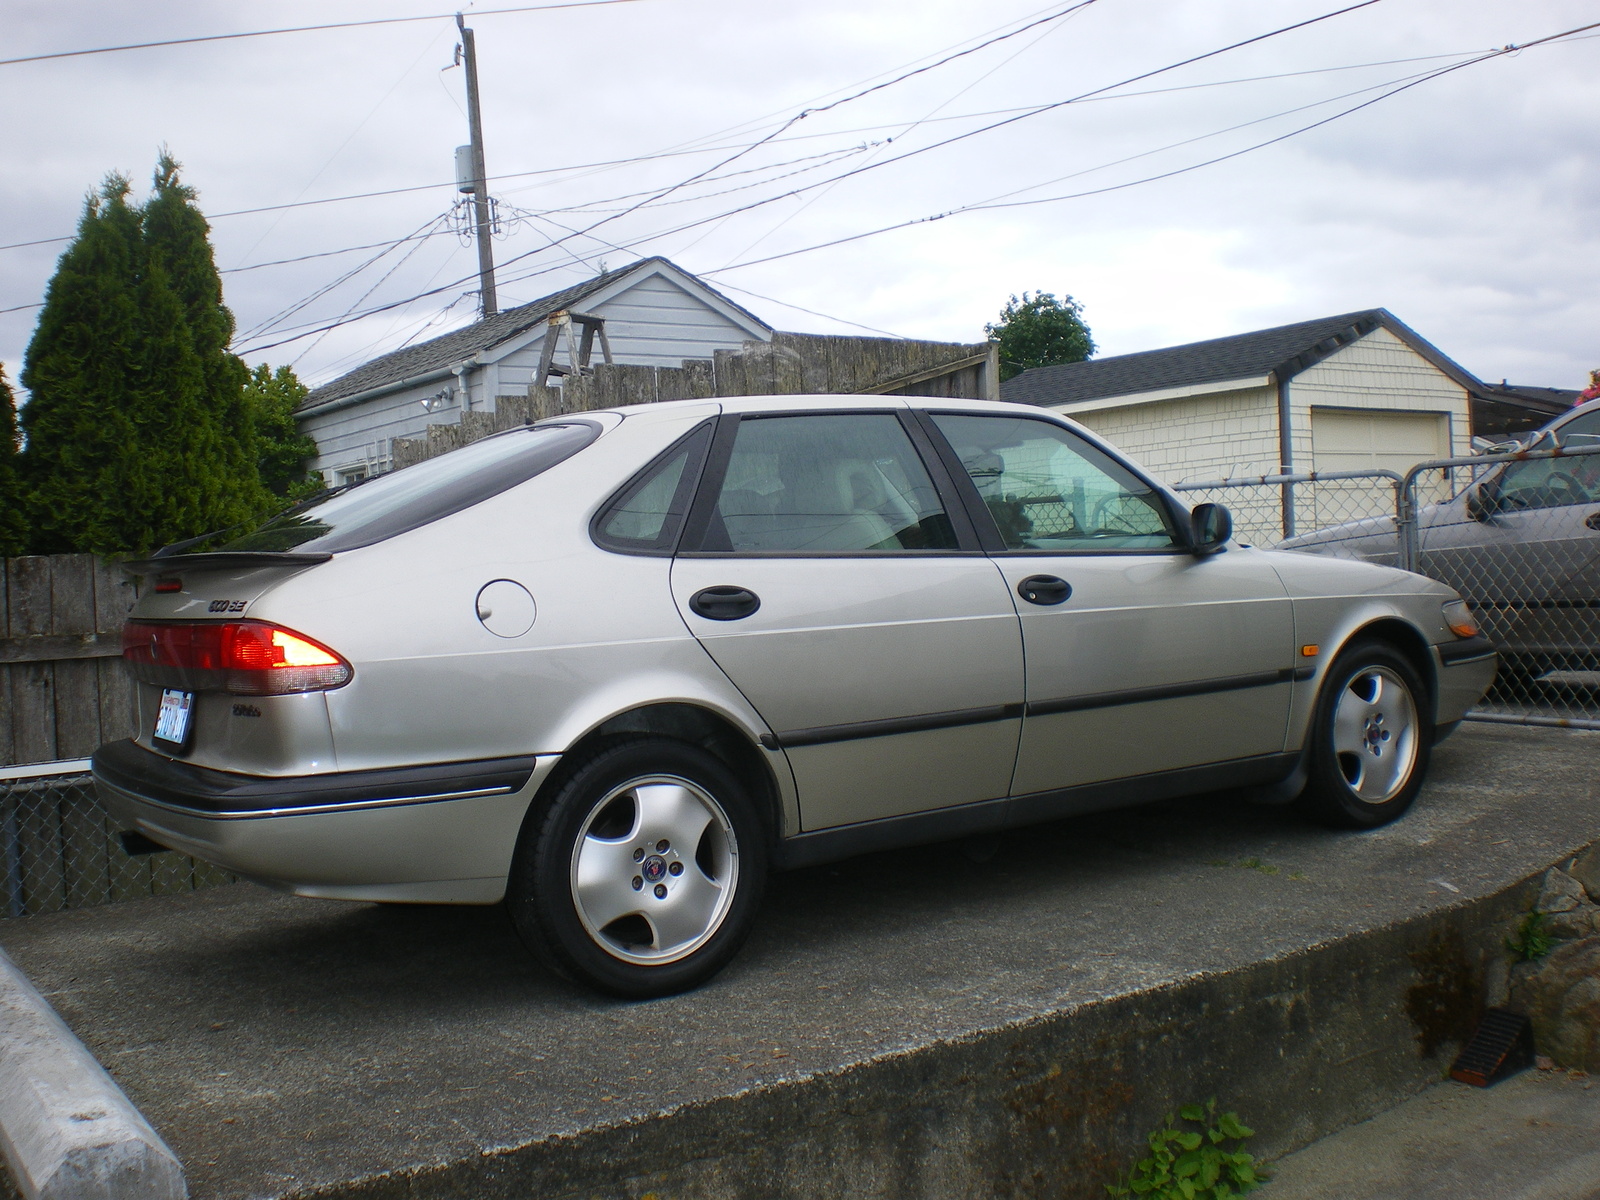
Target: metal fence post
1405	520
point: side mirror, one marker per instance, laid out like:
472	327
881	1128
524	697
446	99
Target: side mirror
1210	527
1483	499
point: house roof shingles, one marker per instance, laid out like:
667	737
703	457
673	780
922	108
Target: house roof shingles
1283	351
448	349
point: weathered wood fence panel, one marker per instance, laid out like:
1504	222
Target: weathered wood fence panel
63	692
62	687
790	364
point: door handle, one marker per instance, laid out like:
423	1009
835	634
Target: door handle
1593	521
724	603
1044	589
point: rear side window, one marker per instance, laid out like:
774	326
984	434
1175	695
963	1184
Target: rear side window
826	483
407	499
646	515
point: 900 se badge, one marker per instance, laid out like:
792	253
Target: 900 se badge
227	606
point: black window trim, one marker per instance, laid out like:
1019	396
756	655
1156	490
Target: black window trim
667	545
716	469
989	533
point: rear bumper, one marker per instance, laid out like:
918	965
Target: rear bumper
438	833
1465	670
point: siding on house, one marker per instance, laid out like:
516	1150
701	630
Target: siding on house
654	322
1378	373
1223	434
1213	436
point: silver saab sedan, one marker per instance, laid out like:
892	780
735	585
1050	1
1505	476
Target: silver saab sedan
614	667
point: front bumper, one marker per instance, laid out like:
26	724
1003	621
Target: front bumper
1465	670
440	833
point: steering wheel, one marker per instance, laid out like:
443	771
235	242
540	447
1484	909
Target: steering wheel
1570	486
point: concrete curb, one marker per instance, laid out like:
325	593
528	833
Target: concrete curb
66	1129
1051	1105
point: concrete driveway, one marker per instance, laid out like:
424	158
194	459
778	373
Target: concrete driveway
286	1046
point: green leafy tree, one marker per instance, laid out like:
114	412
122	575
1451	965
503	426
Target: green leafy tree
1040	331
13	525
138	432
281	448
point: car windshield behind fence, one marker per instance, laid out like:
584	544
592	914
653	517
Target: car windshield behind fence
1519	538
407	499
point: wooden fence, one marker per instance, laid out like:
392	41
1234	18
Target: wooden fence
791	364
63	690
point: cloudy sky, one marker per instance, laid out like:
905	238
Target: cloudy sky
1467	204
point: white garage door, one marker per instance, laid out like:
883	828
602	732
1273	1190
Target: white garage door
1344	439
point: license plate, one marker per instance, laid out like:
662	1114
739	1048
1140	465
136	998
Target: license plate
175	718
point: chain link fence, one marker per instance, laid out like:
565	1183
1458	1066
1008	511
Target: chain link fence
59	849
1518	535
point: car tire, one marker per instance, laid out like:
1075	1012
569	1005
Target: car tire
642	874
1371	736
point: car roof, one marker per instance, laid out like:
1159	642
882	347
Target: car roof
832	402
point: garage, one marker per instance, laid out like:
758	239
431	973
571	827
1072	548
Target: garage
1348	439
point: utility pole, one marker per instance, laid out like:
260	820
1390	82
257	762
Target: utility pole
480	181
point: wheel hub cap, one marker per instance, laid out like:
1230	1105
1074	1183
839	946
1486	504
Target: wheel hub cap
654	870
1375	734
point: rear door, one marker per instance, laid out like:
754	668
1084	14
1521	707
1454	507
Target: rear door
1141	657
827	576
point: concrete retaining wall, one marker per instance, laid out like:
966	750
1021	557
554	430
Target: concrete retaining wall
1301	1046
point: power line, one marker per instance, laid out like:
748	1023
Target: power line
998	204
1035	111
899	225
813	312
665	154
228	37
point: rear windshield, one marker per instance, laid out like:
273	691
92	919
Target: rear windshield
403	500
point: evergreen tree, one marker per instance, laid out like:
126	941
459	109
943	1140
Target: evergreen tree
13	524
1040	331
138	431
177	238
86	353
282	450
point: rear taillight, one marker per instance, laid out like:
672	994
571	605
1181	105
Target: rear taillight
247	658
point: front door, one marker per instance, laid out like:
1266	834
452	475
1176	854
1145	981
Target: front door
830	584
1141	657
1524	549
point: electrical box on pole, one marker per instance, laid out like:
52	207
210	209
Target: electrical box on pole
466	175
480	190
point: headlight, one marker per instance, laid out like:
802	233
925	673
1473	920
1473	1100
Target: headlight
1460	619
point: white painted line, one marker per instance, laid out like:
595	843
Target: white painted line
66	1129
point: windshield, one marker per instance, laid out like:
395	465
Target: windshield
414	496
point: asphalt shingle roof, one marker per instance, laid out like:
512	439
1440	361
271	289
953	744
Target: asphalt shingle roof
451	348
1285	350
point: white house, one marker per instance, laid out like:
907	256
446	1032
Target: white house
655	314
1347	392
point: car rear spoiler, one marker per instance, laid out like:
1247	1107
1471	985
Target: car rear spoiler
223	560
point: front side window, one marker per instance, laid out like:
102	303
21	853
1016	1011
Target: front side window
1553	482
826	483
1048	489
